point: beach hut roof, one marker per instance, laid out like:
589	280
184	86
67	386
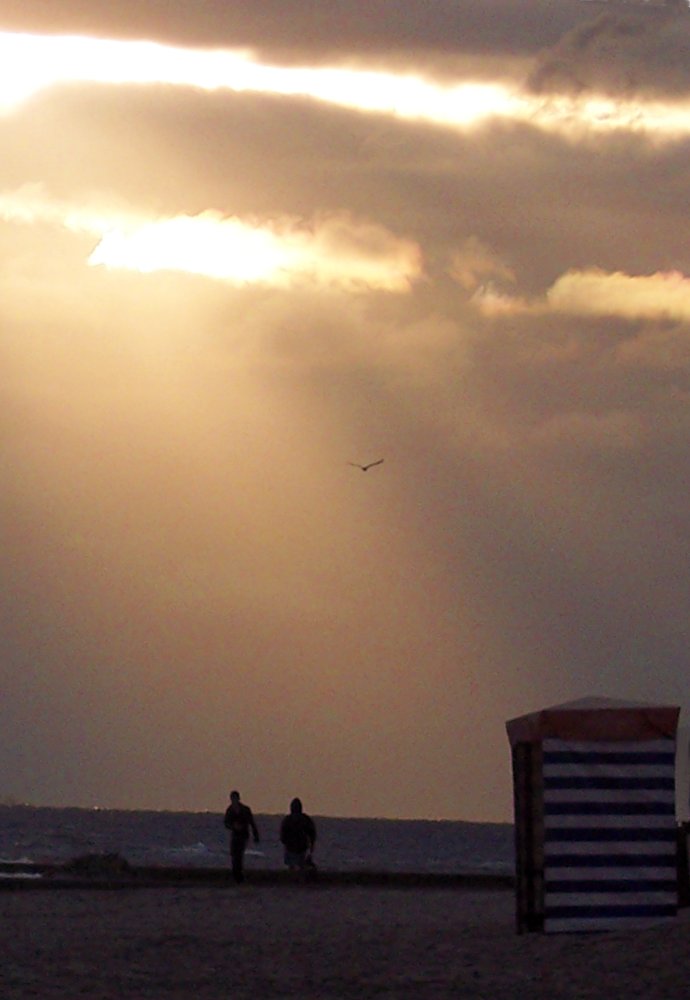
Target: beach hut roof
595	719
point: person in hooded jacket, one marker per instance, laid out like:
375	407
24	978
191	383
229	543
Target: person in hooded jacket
298	837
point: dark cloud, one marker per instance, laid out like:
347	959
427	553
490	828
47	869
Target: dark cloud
317	29
644	51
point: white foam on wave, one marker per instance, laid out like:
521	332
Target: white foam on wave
191	850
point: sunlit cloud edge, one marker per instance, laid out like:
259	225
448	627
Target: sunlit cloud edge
594	292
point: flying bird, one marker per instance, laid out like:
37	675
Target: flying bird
365	467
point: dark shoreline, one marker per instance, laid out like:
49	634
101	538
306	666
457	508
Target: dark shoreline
22	876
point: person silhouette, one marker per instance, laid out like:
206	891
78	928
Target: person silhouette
298	837
239	821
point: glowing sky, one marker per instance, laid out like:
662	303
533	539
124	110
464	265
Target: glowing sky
240	251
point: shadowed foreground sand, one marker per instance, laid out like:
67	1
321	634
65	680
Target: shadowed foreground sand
321	942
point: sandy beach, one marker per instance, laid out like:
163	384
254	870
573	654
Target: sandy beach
321	942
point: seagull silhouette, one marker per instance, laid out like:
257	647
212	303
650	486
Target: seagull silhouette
365	467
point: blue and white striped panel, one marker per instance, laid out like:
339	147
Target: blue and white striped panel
609	834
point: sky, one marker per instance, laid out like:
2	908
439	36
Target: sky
243	246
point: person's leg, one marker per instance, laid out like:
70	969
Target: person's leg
237	858
295	860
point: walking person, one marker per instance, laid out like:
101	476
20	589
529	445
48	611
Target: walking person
239	821
298	837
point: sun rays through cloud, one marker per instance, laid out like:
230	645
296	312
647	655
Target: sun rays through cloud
231	250
32	63
35	62
331	249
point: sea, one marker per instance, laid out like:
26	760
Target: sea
46	835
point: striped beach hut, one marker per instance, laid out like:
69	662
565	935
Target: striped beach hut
595	823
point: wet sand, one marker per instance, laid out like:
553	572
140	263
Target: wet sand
318	941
